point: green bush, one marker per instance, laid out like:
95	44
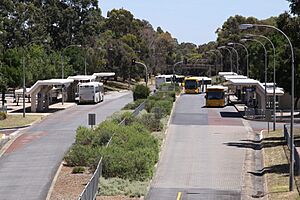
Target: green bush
132	154
133	105
84	135
140	92
78	155
3	115
83	155
104	132
164	105
78	170
160	95
151	122
135	164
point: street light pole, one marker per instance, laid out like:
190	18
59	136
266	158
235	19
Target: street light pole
266	63
221	57
24	86
174	74
230	53
146	70
246	26
247	54
274	76
237	58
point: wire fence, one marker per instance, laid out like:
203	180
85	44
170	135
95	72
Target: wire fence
290	146
91	189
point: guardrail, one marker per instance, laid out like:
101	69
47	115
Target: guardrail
290	146
91	189
260	114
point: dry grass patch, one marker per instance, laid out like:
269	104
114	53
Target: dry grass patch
276	167
18	120
69	186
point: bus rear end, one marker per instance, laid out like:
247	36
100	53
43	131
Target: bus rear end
216	97
86	94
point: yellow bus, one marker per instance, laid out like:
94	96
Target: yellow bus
192	85
216	96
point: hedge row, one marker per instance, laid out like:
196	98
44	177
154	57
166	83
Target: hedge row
131	155
133	151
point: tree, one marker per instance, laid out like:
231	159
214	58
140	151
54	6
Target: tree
294	6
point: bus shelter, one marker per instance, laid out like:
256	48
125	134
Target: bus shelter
252	92
40	93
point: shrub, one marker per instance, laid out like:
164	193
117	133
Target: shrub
132	154
164	105
150	104
168	95
104	132
151	122
84	135
3	115
83	155
140	92
133	105
78	170
134	164
78	155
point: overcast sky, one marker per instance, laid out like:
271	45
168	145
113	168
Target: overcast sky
195	20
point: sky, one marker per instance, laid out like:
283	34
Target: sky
195	20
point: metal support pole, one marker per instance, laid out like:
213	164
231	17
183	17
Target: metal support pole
146	70
237	58
223	47
245	26
247	55
24	87
180	62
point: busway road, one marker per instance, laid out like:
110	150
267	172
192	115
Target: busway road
197	161
28	166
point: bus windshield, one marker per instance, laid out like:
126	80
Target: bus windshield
215	95
190	84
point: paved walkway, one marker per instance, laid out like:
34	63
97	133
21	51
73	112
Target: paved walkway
28	166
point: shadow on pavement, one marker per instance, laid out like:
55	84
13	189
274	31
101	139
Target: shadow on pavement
231	114
278	169
28	110
258	145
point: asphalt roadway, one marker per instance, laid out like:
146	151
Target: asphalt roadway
28	166
199	159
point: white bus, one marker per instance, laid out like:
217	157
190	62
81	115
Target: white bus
161	79
91	92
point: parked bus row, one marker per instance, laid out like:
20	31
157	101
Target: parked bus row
216	95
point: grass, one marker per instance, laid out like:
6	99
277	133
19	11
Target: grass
276	167
18	120
118	186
